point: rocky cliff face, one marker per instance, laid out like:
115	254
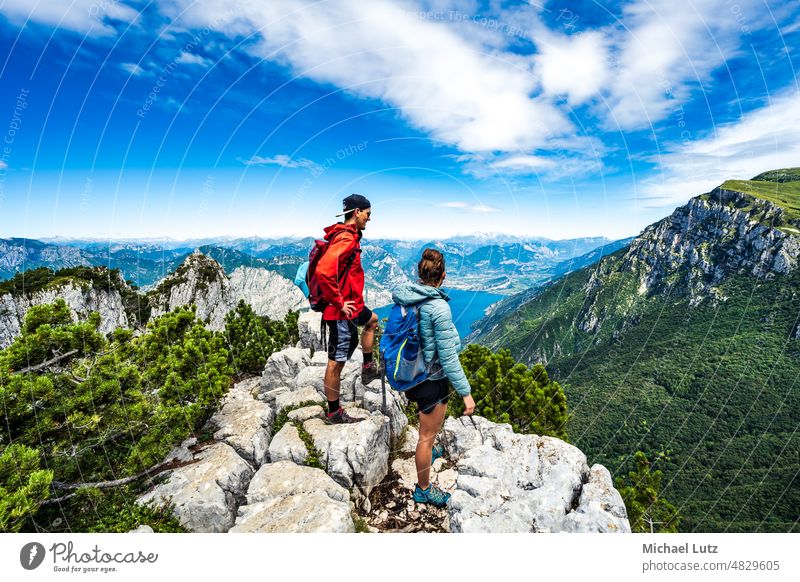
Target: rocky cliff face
709	239
690	256
273	465
81	297
692	251
202	281
266	291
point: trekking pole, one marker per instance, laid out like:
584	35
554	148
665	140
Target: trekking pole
383	386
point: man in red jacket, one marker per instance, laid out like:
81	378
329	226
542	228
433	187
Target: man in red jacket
341	281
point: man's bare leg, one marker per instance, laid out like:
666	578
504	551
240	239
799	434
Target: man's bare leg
333	379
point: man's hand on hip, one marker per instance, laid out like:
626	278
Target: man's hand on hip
348	309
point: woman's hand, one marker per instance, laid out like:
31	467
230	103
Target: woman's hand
469	404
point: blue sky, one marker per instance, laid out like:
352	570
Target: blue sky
242	117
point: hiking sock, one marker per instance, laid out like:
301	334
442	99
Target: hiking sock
428	488
367	359
333	406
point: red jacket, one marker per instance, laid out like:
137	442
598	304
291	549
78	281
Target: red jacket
331	267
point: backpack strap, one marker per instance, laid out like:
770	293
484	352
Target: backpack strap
416	309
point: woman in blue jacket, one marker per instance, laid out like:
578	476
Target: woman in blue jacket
440	344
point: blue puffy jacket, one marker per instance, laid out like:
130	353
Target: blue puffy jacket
440	341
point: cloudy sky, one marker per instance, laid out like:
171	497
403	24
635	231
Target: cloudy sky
244	117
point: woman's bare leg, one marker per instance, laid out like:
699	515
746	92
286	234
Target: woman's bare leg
429	426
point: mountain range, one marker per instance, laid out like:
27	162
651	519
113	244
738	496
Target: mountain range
491	262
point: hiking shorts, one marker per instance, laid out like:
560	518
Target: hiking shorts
428	394
343	335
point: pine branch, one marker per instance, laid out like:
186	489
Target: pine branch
152	471
47	363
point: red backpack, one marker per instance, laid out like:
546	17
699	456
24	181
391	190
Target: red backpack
315	297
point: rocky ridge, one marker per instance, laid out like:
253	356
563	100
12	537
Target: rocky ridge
690	254
202	281
694	250
81	297
711	238
273	465
199	280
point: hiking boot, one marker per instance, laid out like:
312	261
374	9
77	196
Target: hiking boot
432	495
370	373
437	452
341	417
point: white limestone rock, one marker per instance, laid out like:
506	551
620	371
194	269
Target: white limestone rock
511	482
287	498
350	387
320	358
182	452
244	422
208	492
267	292
200	280
409	444
308	324
354	455
288	446
372	400
295	397
81	298
406	470
283	367
303	414
600	507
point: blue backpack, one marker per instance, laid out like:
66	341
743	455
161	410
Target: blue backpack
401	348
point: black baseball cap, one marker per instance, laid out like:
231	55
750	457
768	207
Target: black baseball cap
353	202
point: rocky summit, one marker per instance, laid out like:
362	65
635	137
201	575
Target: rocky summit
271	464
202	281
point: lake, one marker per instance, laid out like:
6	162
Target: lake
467	307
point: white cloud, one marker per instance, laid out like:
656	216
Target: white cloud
284	161
764	139
663	49
458	91
791	27
572	65
477	208
192	59
3	165
133	69
524	162
91	17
